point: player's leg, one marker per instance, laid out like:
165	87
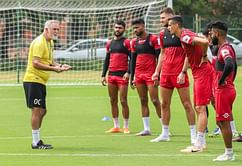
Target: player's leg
224	102
190	113
123	92
153	92
143	96
166	94
202	121
35	96
113	96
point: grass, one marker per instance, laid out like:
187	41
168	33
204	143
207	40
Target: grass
73	125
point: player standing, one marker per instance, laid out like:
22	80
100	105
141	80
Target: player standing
117	62
145	50
169	67
225	92
195	48
40	61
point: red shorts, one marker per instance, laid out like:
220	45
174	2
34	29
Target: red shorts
202	89
170	82
117	80
144	78
224	99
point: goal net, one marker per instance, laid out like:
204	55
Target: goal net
85	26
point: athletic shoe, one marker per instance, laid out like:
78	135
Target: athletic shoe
215	133
236	134
144	133
114	130
237	139
41	145
192	149
126	131
161	138
225	157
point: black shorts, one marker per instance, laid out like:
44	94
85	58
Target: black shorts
35	94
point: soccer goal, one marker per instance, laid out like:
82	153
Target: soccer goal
85	25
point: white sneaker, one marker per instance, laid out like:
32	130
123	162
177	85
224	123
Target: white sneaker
160	138
225	157
192	149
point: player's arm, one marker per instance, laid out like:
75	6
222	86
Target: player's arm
181	76
127	74
228	68
41	66
132	65
105	68
203	42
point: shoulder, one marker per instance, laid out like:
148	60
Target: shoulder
226	50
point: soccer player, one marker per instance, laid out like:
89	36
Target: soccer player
40	62
145	50
213	49
225	92
169	67
117	62
195	48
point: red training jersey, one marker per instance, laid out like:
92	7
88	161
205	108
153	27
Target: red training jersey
145	48
173	53
119	52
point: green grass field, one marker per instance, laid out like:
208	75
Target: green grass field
74	127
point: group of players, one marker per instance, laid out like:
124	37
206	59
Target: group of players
153	61
148	61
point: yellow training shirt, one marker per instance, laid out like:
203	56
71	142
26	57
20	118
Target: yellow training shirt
43	49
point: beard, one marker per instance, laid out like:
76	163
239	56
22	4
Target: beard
118	34
54	37
214	40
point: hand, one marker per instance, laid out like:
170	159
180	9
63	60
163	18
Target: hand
155	76
57	69
132	84
65	67
181	78
104	81
126	76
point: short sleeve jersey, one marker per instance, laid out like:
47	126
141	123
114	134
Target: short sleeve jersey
173	53
145	49
44	50
119	52
224	52
193	52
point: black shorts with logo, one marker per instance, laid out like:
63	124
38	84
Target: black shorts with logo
35	94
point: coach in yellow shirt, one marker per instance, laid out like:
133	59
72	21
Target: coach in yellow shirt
40	62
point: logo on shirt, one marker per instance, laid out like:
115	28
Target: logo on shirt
224	52
226	115
186	39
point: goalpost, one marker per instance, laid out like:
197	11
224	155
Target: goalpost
85	27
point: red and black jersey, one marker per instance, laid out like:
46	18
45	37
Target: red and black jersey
225	51
173	53
146	52
117	58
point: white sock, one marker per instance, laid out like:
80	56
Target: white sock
35	136
146	123
165	131
228	151
126	123
116	122
200	139
193	131
232	125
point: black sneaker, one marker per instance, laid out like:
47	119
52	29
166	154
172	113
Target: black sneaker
41	145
